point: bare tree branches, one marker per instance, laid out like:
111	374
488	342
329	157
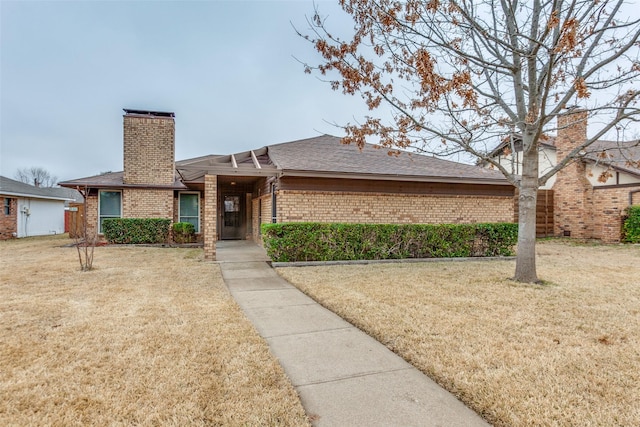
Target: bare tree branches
36	176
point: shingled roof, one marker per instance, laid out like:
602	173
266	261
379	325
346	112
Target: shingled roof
113	180
326	156
322	156
10	187
622	156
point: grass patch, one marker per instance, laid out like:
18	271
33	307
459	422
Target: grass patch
565	353
150	337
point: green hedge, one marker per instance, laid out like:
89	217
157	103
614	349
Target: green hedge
631	226
136	230
288	242
183	232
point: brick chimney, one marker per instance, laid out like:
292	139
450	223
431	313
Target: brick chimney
149	147
573	194
572	130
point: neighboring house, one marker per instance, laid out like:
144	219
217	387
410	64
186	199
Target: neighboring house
315	179
31	211
592	193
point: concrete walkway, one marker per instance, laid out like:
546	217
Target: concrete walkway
343	376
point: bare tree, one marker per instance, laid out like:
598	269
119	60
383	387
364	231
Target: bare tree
37	176
462	75
85	242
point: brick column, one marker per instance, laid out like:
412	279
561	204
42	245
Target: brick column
210	216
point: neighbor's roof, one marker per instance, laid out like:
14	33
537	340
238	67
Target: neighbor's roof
622	156
10	187
327	156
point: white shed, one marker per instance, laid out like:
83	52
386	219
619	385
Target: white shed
37	211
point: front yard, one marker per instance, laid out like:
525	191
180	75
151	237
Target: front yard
150	337
565	353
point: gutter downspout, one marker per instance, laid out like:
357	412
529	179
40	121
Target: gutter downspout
274	210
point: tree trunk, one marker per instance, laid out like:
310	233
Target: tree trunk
526	257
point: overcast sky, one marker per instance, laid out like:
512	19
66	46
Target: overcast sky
226	68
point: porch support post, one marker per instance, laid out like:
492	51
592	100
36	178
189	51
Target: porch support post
210	216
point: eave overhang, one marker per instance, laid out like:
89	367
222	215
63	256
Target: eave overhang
34	196
615	167
382	177
76	185
223	169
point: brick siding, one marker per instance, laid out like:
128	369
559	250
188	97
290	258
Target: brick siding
381	208
581	210
609	208
261	214
9	223
147	203
136	203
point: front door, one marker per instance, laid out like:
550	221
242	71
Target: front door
232	221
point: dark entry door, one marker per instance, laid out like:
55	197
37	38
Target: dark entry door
232	221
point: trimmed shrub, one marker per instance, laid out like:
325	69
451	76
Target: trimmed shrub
337	241
183	232
631	227
136	230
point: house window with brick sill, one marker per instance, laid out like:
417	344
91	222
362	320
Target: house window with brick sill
7	206
189	209
109	206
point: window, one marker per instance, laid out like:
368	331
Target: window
7	206
109	206
190	209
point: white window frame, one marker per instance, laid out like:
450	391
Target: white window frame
180	216
100	217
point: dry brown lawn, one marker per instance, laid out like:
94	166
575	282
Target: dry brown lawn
562	354
150	337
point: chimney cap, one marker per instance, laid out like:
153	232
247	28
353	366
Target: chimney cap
149	113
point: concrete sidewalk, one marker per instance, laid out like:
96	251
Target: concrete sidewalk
343	376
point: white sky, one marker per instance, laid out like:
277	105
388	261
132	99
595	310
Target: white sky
226	68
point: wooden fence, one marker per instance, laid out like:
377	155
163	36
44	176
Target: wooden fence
73	220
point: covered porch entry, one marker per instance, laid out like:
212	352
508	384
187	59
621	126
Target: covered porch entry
236	219
235	187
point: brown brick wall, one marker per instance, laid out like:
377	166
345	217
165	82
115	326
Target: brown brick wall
92	215
149	150
609	207
261	214
147	203
209	220
9	223
381	208
136	203
581	210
